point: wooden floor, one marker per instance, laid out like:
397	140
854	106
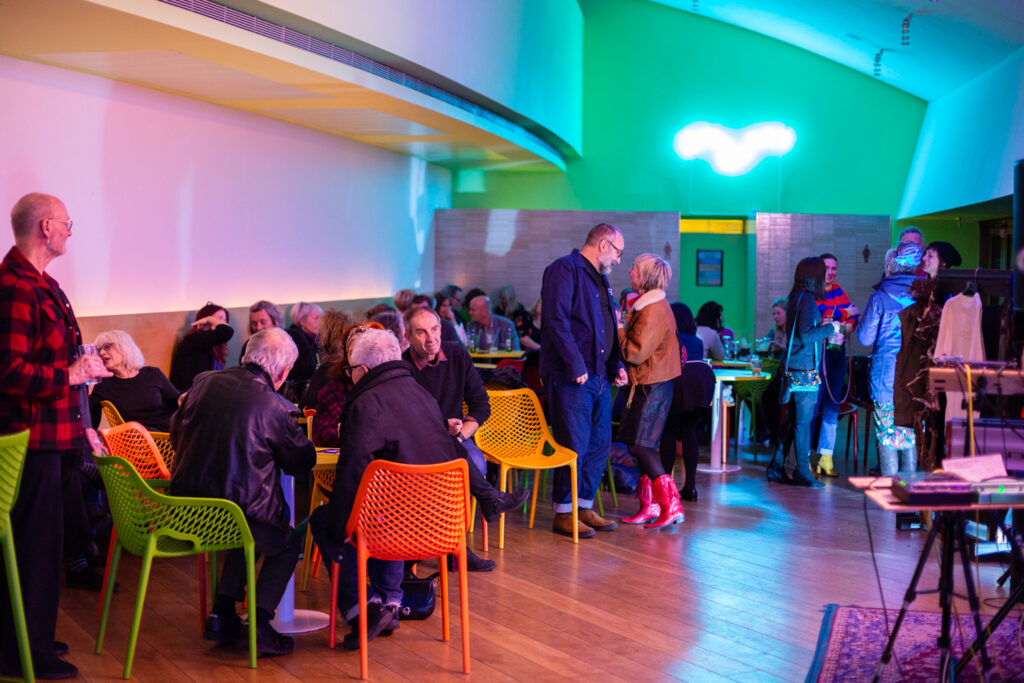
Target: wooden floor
736	593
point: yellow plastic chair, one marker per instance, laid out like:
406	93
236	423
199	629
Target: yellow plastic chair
516	437
323	486
13	448
150	524
409	512
161	439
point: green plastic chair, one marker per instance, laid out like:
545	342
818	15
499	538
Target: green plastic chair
151	524
13	448
750	393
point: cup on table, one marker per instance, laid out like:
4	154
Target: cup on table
755	364
89	350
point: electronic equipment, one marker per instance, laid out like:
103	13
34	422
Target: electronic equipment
934	488
991	435
1006	492
999	379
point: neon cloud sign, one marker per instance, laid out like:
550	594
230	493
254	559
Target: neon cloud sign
732	151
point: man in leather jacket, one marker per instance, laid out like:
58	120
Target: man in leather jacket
234	435
389	416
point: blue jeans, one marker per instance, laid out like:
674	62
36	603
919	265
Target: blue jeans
803	405
581	418
385	578
834	380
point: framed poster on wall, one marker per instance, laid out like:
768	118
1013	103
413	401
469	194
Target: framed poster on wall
709	267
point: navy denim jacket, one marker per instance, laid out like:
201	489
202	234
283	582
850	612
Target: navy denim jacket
573	330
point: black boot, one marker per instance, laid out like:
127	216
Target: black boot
776	470
503	502
802	475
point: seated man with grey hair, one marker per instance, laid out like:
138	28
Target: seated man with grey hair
234	435
389	416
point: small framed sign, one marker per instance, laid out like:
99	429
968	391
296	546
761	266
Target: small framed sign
709	267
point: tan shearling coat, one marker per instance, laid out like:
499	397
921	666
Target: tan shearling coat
650	347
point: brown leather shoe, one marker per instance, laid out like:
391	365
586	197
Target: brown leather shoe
596	521
563	525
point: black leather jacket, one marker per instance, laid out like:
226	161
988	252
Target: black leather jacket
389	416
233	436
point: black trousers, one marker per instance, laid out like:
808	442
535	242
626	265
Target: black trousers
279	560
78	534
682	427
37	521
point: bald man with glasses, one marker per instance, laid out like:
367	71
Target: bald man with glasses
43	378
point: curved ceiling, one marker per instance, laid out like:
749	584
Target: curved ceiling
946	44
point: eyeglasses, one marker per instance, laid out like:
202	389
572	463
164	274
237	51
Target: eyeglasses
618	251
106	347
349	368
68	223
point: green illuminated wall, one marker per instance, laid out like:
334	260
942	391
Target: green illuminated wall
649	70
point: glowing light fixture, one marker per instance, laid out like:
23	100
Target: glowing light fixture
732	151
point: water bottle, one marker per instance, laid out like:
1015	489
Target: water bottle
508	341
472	341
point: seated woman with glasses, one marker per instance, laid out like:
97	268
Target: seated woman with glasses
139	392
331	399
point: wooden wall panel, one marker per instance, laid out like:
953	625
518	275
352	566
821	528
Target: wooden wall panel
488	248
783	239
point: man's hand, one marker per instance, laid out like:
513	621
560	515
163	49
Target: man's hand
852	310
582	379
97	446
621	378
454	426
87	368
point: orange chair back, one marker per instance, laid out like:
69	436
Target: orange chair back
323	477
132	442
408	512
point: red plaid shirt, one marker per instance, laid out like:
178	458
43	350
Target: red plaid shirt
39	339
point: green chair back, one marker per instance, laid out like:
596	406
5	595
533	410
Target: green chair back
151	524
13	448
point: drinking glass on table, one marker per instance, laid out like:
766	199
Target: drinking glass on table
89	350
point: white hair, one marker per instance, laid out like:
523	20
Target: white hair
302	309
130	353
373	348
273	350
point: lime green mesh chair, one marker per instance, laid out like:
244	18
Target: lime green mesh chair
750	392
151	524
12	459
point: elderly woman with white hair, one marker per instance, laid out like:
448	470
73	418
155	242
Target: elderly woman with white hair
139	392
303	331
650	350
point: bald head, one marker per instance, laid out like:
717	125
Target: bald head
29	211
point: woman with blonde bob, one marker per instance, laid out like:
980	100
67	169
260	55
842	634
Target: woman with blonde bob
139	392
650	350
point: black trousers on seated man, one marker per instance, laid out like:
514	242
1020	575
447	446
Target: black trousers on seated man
279	560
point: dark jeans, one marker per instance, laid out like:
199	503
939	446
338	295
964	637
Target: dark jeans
582	422
37	522
278	567
802	407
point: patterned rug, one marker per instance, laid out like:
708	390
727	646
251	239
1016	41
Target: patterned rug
852	640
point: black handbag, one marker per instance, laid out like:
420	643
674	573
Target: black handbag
419	595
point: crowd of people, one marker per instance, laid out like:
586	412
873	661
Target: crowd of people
402	385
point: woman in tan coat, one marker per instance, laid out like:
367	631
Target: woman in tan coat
650	350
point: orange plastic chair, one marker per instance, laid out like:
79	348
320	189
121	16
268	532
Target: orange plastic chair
133	442
161	439
409	512
309	414
323	486
516	436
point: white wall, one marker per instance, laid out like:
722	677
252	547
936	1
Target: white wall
177	201
969	141
524	54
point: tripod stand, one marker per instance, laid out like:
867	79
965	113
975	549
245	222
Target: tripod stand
951	524
1016	595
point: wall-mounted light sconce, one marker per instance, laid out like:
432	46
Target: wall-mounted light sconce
732	151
